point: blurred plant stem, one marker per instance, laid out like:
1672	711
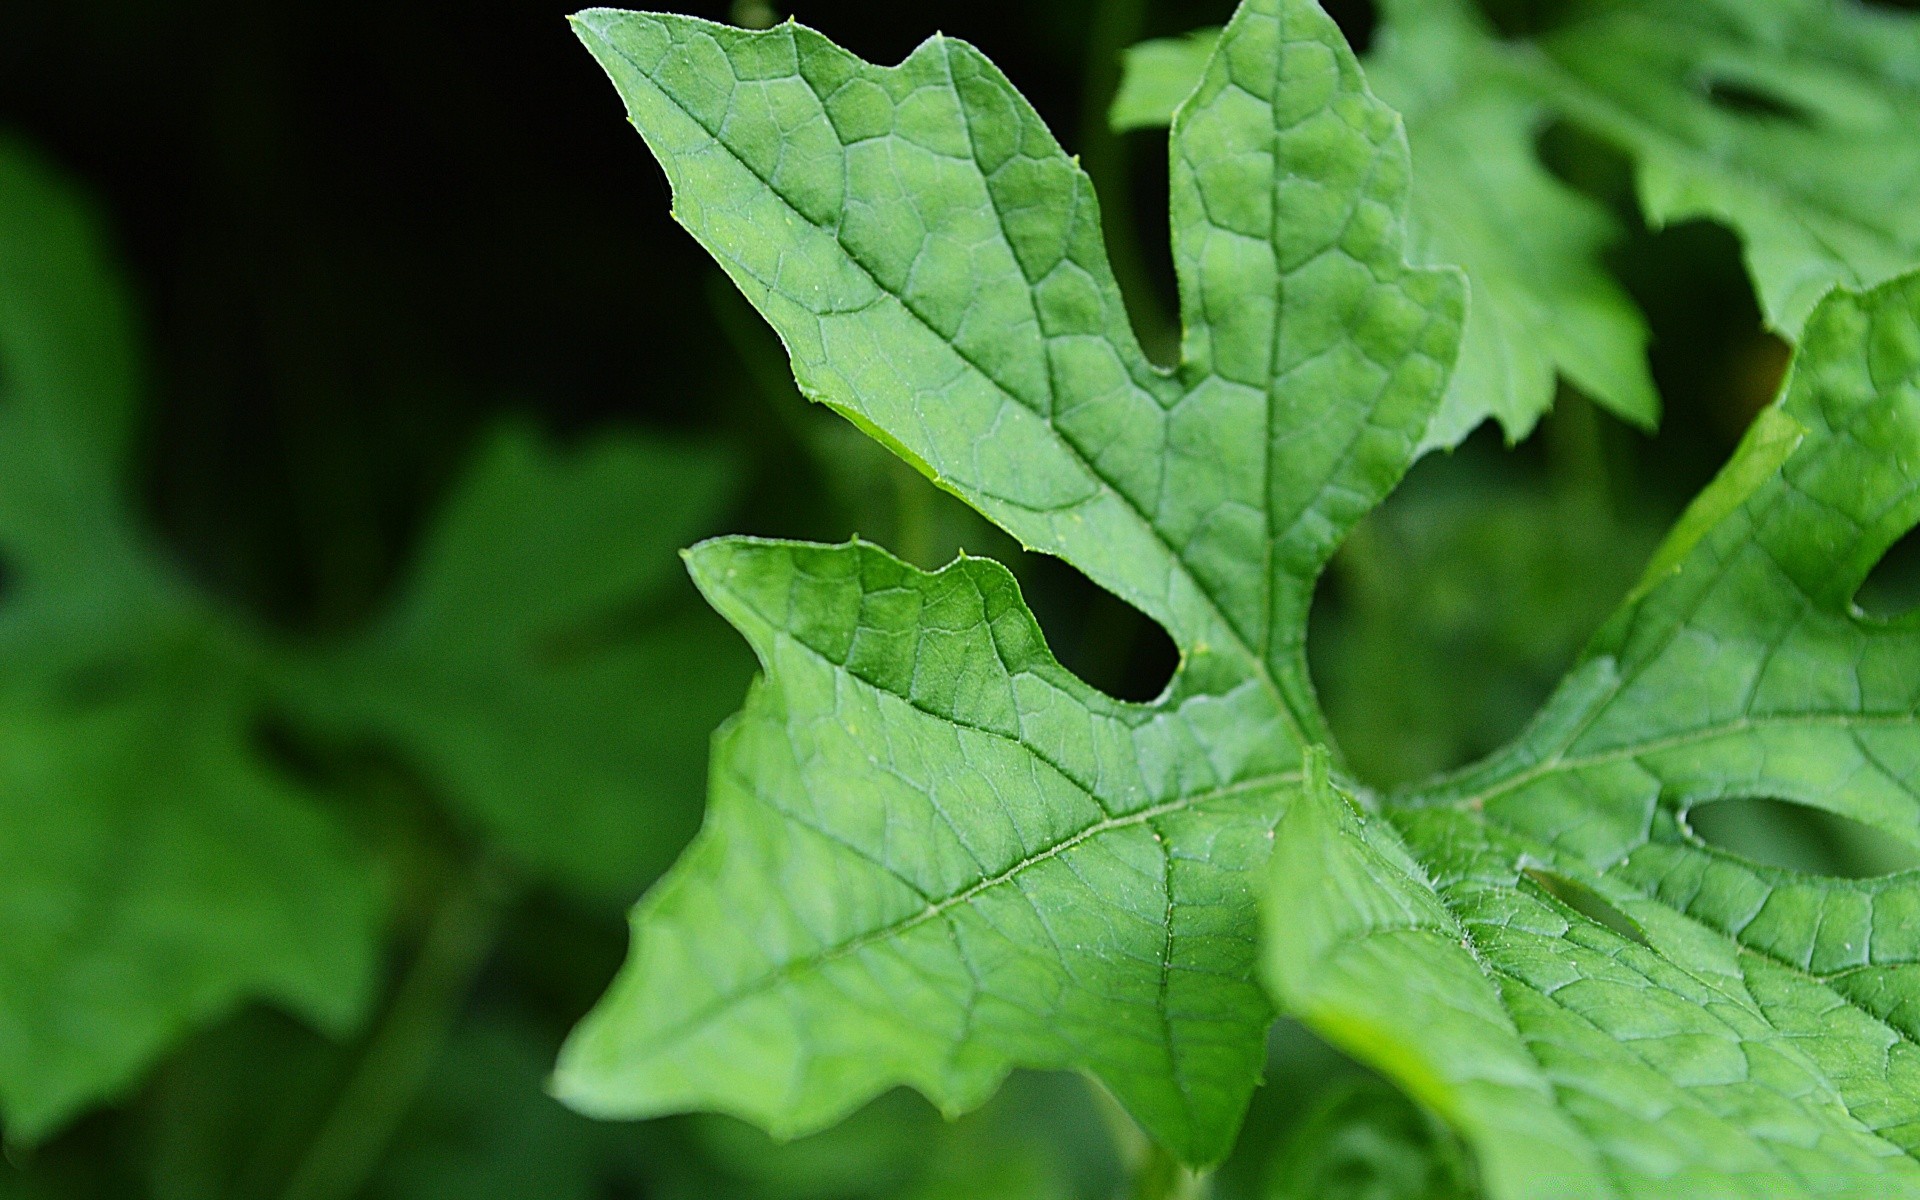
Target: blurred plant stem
1152	1173
401	1050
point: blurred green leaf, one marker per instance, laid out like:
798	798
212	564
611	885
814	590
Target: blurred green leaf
485	1126
1790	120
1366	1141
156	868
544	667
1460	602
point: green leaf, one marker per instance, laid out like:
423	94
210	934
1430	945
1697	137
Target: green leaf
1542	304
72	370
543	664
1461	603
1481	201
1541	950
1791	121
153	874
931	854
155	869
1365	1141
1788	120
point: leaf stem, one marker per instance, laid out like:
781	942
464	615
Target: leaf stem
1152	1172
402	1049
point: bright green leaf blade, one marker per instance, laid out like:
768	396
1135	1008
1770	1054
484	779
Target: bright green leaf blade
1708	1026
981	863
1481	200
933	261
1792	122
932	258
152	876
1361	949
546	667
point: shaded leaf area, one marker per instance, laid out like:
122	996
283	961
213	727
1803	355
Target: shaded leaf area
483	1125
163	860
1784	120
976	861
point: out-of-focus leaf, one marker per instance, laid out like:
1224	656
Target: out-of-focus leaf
1039	1139
1461	602
152	874
1790	120
485	1126
1366	1141
155	868
544	667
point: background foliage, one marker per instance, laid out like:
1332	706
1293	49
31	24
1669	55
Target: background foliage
390	392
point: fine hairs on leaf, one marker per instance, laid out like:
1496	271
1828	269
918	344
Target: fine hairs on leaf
932	855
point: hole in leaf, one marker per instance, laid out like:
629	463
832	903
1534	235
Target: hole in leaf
1778	833
1737	96
1141	250
1587	902
1096	635
1891	590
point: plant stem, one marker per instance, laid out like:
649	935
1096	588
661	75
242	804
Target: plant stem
402	1049
1152	1173
1161	1177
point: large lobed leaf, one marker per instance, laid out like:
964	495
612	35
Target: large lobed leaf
932	854
1789	120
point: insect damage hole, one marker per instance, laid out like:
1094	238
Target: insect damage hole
1798	837
1587	902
